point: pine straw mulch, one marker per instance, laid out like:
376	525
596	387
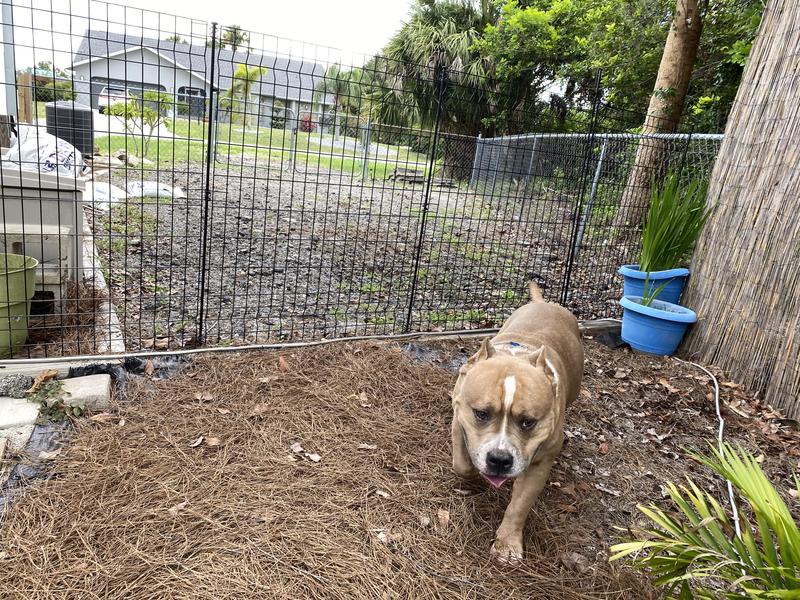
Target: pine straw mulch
324	473
71	330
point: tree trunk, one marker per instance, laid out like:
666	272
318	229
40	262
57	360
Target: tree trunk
664	112
745	283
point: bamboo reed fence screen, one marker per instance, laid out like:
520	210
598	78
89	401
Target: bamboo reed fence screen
745	283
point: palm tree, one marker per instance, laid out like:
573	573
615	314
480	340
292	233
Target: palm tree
346	89
244	78
433	68
234	37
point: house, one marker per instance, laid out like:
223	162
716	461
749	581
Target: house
183	70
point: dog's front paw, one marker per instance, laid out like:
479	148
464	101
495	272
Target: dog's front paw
507	550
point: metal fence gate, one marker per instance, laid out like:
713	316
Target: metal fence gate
242	189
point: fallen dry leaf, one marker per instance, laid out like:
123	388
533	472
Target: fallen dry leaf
569	489
586	394
121	422
196	443
297	448
367	447
731	385
102	417
603	448
363	397
223	411
45	375
177	508
382	493
203	396
313	457
620	374
149	369
283	365
575	562
444	518
213	441
265	379
259	410
44	455
156	343
668	386
424	521
607	490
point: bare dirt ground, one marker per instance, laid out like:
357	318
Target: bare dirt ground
298	255
324	473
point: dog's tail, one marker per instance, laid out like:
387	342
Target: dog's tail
536	293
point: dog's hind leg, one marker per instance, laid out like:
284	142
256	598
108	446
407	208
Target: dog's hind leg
535	292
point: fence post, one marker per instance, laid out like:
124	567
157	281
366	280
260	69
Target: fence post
441	80
587	211
587	159
530	163
476	161
204	216
367	135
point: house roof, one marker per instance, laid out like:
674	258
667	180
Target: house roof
286	79
129	49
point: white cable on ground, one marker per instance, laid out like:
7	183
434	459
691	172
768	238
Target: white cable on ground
720	434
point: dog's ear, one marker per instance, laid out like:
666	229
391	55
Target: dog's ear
540	360
485	351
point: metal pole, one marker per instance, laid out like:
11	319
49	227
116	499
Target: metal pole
207	192
588	210
586	162
441	80
476	161
367	135
9	91
530	164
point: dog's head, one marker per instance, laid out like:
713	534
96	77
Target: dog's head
507	407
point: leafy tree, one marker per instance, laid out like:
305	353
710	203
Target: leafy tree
345	88
234	37
175	38
143	116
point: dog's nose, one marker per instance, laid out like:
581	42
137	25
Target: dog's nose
499	462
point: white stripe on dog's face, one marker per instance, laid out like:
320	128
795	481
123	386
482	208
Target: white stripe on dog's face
501	441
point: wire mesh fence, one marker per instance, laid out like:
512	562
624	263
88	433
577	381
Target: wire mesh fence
236	188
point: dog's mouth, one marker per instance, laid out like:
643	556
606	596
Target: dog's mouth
496	480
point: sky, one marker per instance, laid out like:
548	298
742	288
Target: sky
357	28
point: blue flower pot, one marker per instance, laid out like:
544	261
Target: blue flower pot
655	329
633	282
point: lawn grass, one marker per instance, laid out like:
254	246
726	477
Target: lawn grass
261	143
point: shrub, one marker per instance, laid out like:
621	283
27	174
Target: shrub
52	91
694	550
677	215
306	124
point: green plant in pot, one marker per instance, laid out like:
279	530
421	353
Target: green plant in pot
676	216
652	320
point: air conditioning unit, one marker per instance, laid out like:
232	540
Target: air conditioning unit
43	218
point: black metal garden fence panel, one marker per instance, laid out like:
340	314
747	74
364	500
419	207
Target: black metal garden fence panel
246	189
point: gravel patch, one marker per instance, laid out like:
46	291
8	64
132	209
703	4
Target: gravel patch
316	254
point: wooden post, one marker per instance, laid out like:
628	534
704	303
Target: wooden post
24	97
5	131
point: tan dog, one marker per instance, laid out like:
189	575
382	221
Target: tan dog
508	408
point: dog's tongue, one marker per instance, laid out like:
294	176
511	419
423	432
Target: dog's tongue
495	480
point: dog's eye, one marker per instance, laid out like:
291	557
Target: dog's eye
481	416
527	424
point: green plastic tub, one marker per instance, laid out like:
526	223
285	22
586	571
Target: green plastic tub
17	281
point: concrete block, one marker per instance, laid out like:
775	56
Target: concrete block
17	411
93	390
16	438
